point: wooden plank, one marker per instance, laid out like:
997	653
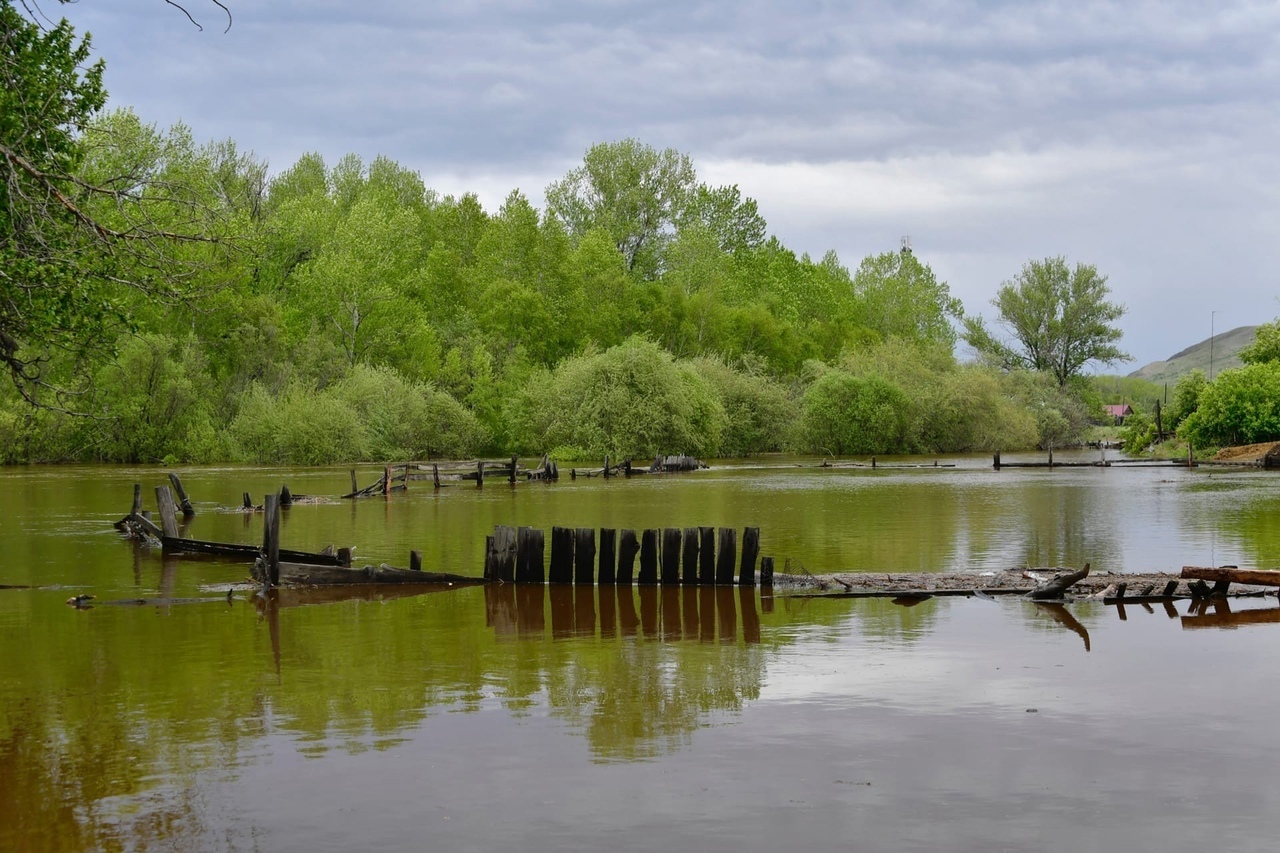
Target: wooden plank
561	570
690	561
309	575
248	553
1258	577
628	547
530	555
584	558
608	557
750	550
648	557
168	512
670	560
727	556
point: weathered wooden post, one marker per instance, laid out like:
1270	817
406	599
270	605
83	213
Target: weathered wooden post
248	501
406	476
137	500
561	556
766	572
183	501
608	556
584	557
648	557
345	556
728	548
750	550
707	556
873	463
286	497
1051	456
355	487
168	512
512	478
480	473
530	555
504	546
996	460
671	555
628	547
386	480
435	475
606	466
271	539
490	558
415	561
690	556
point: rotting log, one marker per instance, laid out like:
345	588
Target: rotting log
628	547
727	556
584	556
248	553
1231	574
1058	586
750	551
304	574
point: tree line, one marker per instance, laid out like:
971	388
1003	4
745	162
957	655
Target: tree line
166	299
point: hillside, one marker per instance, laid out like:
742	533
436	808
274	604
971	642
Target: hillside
1226	347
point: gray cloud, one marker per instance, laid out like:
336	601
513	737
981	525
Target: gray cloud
1136	135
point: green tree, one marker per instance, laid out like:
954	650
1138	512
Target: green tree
1240	406
1265	346
630	190
846	414
1059	318
897	296
1186	398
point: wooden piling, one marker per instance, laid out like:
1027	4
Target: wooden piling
608	556
512	477
530	555
728	548
480	474
606	466
183	501
137	500
435	475
504	546
690	576
271	538
670	555
345	556
561	569
766	572
584	556
628	547
750	550
707	556
648	557
996	460
286	497
168	512
247	501
415	561
355	487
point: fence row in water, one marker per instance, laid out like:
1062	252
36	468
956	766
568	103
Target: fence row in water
671	556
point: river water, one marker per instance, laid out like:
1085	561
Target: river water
537	719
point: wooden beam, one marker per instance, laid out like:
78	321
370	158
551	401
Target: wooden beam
1258	577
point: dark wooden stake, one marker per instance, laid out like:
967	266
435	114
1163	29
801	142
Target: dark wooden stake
608	556
766	572
561	556
690	576
415	561
628	547
271	538
530	555
168	512
183	500
728	556
248	501
137	500
345	556
355	487
512	478
648	557
707	556
435	475
286	497
504	546
386	480
750	550
671	555
480	473
584	556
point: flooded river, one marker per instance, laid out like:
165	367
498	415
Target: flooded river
640	719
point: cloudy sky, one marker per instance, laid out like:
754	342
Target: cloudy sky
1140	137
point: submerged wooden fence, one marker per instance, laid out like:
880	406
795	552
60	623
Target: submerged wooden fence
668	557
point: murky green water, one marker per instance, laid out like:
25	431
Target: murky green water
483	719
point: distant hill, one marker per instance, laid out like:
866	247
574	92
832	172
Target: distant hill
1226	349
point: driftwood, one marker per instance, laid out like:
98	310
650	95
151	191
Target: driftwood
1231	574
305	574
1059	585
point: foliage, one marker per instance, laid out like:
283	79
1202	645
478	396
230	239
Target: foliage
845	414
1059	318
1186	398
1266	345
631	401
758	410
1240	406
897	296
